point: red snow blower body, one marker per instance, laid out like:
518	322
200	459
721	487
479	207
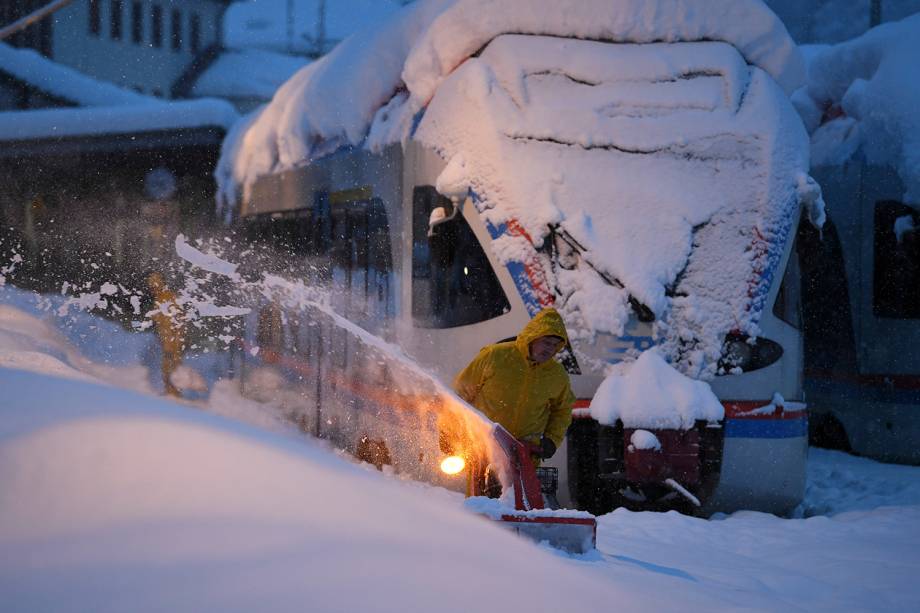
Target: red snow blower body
572	531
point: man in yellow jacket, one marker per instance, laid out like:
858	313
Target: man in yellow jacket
518	384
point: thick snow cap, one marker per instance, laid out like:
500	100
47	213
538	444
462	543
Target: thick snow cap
868	90
657	135
333	101
653	395
467	25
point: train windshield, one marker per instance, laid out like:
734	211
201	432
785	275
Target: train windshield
453	283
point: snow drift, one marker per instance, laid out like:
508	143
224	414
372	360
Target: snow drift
113	501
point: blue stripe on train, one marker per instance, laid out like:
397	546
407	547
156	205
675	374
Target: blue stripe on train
766	428
518	273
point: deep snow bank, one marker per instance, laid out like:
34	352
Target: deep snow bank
113	501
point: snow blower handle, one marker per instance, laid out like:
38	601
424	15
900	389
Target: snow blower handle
575	533
526	484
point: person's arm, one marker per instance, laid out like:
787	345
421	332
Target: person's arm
560	414
471	379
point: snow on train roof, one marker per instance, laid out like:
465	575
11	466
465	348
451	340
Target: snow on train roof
871	85
335	100
675	167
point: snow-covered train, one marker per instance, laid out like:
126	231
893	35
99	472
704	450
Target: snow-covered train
641	169
861	285
861	281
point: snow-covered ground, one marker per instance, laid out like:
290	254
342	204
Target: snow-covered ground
111	499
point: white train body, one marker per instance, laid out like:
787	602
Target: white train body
515	186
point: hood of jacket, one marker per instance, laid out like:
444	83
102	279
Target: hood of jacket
547	322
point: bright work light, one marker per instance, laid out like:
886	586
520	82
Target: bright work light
452	465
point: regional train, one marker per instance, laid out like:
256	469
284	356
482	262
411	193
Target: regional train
442	311
417	267
861	297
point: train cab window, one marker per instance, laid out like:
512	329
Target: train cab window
788	300
896	274
453	283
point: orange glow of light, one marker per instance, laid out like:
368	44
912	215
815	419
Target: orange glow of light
453	465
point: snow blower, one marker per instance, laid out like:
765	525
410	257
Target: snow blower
572	531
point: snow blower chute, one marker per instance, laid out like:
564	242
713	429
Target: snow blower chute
572	531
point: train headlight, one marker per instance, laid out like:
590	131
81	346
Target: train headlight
741	353
453	465
738	353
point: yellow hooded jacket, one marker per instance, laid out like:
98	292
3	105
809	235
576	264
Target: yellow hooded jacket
527	398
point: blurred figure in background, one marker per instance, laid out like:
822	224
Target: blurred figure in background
170	330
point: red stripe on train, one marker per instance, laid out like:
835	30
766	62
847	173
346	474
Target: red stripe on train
549	519
734	409
901	382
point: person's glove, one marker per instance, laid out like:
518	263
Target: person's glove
547	448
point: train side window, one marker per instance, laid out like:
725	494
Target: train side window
340	261
361	264
379	262
896	274
358	283
453	283
788	305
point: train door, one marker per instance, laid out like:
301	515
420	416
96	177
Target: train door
454	283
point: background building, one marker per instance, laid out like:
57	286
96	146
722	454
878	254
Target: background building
833	21
145	45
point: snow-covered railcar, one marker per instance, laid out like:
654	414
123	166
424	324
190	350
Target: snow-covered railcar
861	287
861	280
632	171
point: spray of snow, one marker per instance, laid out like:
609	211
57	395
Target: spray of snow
205	261
199	284
10	267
